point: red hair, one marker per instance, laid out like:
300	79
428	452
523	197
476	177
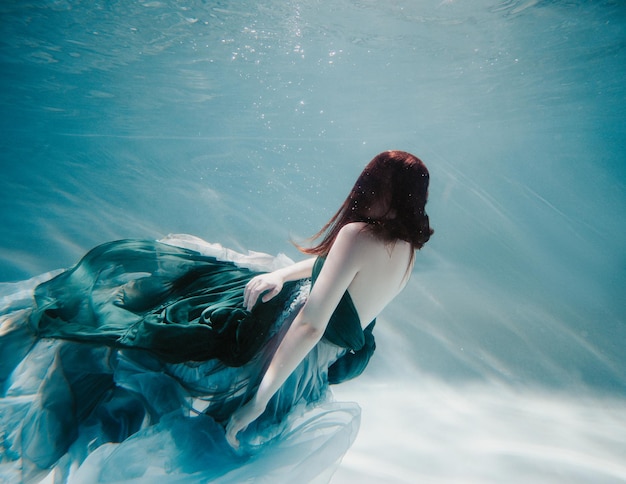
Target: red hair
395	180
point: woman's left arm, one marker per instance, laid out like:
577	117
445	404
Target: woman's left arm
341	266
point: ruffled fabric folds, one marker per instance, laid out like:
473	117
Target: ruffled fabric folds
102	379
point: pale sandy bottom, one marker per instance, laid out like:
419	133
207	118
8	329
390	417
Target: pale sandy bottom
428	431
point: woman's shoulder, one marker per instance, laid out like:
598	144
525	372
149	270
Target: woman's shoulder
357	240
355	230
366	245
355	234
360	232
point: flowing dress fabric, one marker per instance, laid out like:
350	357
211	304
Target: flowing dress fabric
126	367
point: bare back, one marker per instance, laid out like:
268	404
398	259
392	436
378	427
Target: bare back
383	273
372	271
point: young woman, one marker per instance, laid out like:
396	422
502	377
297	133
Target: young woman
368	251
130	365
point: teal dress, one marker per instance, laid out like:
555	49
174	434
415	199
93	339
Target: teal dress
127	366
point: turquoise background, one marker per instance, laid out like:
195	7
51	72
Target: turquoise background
246	123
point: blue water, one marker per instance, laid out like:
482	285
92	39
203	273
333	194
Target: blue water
246	123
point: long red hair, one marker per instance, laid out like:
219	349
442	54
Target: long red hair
395	180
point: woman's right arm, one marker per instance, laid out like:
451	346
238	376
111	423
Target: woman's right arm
269	285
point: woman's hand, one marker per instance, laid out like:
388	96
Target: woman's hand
265	285
241	419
